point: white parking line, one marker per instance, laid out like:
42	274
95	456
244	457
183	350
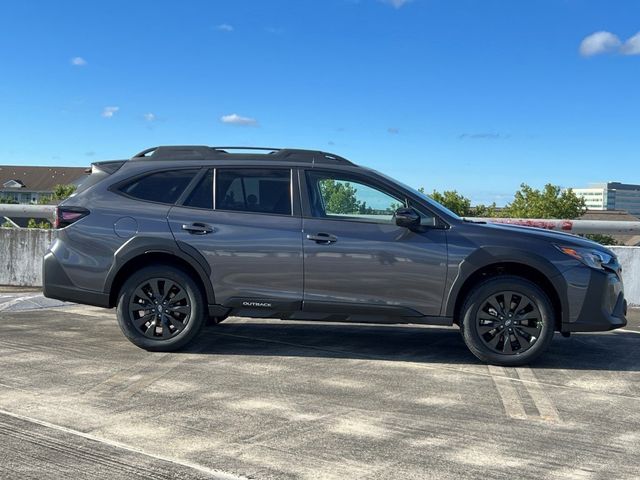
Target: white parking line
507	392
540	398
626	330
16	301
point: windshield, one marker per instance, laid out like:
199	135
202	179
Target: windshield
427	199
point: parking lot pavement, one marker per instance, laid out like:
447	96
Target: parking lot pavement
15	299
274	399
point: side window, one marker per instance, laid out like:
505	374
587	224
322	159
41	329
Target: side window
335	195
163	187
254	190
202	195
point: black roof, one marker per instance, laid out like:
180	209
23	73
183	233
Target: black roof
202	152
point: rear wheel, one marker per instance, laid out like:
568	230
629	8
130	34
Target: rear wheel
160	308
507	320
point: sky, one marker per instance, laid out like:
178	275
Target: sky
474	96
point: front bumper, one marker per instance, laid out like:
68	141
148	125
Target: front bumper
603	305
57	284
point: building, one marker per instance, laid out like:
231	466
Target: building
611	196
30	184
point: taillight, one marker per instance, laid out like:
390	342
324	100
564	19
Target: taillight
65	216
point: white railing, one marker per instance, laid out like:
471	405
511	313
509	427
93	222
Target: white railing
9	211
570	226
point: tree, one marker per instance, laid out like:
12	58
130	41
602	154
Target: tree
602	239
461	205
339	197
482	210
33	223
453	201
550	202
60	193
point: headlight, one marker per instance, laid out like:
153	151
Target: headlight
590	257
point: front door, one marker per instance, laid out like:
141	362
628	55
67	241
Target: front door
357	258
248	233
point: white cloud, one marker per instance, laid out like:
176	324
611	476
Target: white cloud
396	3
78	62
224	27
109	112
631	46
149	117
598	43
236	119
274	30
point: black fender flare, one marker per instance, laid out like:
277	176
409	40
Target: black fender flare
487	256
139	246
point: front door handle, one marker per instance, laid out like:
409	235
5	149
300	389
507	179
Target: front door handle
197	228
322	238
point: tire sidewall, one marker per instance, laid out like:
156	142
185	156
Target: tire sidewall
474	303
185	281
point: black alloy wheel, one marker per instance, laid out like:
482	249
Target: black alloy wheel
507	320
161	308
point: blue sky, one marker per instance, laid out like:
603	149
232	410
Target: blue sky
476	96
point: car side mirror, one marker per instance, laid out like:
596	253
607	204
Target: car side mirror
407	218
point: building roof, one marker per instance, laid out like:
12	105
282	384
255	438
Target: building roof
615	215
39	179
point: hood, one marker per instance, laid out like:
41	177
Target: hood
560	238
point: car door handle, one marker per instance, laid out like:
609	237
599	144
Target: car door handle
322	238
197	228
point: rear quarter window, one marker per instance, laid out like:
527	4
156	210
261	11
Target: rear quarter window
162	187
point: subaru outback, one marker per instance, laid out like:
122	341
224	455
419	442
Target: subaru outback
179	235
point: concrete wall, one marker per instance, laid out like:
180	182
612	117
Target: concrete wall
630	260
21	253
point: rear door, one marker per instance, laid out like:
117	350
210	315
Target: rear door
242	220
357	260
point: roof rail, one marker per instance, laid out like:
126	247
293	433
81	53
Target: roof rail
202	152
182	152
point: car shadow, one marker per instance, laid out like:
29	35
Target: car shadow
615	351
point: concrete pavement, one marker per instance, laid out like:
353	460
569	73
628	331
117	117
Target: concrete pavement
273	399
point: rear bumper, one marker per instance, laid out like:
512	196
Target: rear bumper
604	306
57	284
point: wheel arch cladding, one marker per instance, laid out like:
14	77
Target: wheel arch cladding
522	270
136	258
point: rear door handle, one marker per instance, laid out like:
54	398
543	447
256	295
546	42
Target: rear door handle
197	228
322	238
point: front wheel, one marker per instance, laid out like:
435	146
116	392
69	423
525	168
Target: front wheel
507	320
160	308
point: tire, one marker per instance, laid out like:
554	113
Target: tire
511	336
156	326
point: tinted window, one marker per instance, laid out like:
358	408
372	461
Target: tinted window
164	187
335	195
202	195
254	190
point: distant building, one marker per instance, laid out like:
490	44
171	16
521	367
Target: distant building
30	184
611	196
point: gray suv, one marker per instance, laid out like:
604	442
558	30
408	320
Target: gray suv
179	235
